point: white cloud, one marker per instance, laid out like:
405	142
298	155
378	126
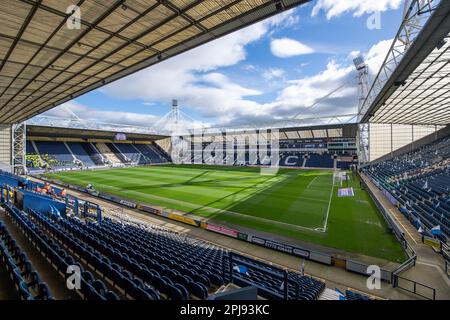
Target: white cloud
273	73
196	80
377	54
301	94
214	95
87	113
354	54
335	8
285	19
285	47
192	78
250	67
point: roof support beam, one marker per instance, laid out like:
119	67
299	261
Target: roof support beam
163	38
46	46
39	67
49	87
20	33
412	80
86	23
75	41
153	28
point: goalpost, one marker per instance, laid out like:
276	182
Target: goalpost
339	177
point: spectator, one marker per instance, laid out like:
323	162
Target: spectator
47	187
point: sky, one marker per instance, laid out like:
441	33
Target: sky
271	70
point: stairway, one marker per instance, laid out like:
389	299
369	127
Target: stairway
164	156
92	152
70	150
143	159
117	153
107	153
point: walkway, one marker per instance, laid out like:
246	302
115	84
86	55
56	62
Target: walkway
430	266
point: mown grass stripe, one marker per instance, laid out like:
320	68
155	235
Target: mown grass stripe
283	204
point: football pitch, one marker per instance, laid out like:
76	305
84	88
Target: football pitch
300	204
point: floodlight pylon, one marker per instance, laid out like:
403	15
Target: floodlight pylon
18	147
175	121
363	128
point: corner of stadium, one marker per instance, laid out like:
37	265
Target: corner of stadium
345	207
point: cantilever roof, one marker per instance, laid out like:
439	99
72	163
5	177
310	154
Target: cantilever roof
425	98
64	132
418	89
44	63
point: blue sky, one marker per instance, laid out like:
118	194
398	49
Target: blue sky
271	70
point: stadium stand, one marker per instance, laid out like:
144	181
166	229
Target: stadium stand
30	148
120	258
130	154
92	151
294	159
323	153
152	153
57	255
420	181
316	160
56	151
116	151
58	154
109	154
352	295
26	280
81	154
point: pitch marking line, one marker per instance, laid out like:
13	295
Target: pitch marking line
310	183
288	225
213	210
328	210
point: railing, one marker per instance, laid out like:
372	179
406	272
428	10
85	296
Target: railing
283	275
445	248
445	251
414	287
446	255
411	262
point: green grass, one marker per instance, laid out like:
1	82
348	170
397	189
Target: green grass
300	204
